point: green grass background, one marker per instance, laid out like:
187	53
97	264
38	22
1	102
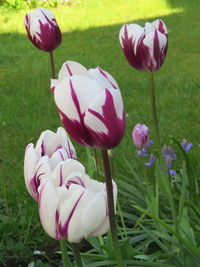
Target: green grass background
90	36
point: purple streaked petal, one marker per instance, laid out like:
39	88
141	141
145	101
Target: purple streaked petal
104	79
48	203
30	162
105	111
67	207
70	68
66	168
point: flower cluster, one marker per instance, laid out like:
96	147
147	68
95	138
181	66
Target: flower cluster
71	204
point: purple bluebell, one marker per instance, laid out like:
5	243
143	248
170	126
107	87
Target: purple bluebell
169	155
152	159
144	151
172	172
186	145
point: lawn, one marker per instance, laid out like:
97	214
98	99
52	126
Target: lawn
90	36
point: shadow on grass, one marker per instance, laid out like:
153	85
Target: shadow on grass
184	4
27	107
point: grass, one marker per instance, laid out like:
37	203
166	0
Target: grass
90	36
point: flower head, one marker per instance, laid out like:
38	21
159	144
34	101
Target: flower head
71	205
152	159
140	135
144	48
169	155
39	162
42	29
186	145
90	105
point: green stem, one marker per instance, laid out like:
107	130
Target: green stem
66	261
96	162
111	208
154	112
90	162
53	75
77	255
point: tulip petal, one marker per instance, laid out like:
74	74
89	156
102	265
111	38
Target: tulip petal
48	203
68	205
131	37
104	79
30	162
71	97
105	114
160	26
94	214
66	143
65	169
47	143
70	68
157	45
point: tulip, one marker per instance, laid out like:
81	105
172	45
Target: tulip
42	29
140	135
144	48
90	105
39	162
71	205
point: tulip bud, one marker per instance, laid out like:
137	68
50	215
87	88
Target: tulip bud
140	135
71	205
90	105
39	162
144	48
42	29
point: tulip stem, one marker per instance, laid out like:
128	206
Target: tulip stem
53	74
111	209
77	255
65	259
154	112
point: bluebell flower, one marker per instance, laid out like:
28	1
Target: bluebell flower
152	159
144	151
172	172
186	145
169	155
168	152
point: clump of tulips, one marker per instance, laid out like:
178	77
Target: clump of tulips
72	205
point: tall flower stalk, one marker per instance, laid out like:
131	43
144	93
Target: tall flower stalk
154	111
65	259
111	207
77	255
53	74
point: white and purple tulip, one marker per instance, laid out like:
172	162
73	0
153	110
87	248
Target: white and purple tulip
90	105
144	48
39	162
71	205
42	29
140	135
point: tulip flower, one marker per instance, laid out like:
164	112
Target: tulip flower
42	29
39	162
71	205
140	135
144	48
90	105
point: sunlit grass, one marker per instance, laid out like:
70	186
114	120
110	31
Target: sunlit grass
93	13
